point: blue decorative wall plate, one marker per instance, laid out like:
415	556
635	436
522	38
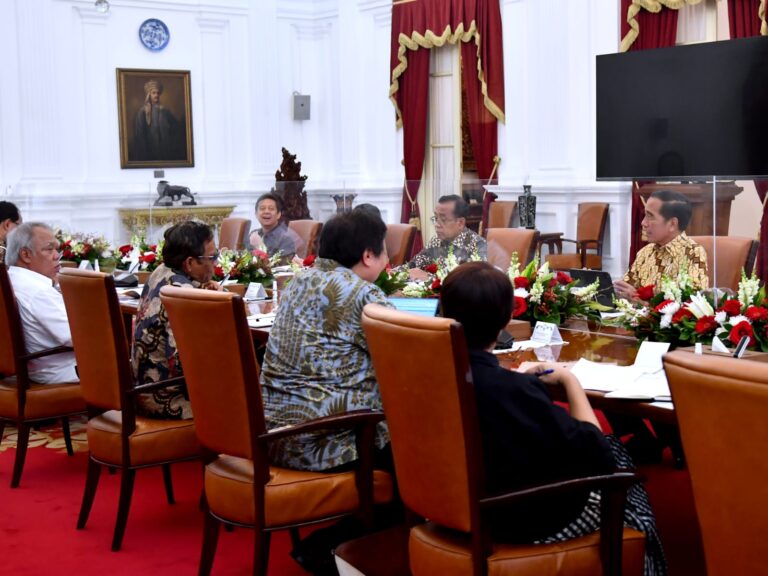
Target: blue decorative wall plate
154	34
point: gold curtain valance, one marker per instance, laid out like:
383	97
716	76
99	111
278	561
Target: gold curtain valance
654	6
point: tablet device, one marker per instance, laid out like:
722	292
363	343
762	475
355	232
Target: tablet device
421	306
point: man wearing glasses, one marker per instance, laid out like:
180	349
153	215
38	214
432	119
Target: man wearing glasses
451	232
33	263
189	259
9	219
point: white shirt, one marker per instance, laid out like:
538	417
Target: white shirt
45	325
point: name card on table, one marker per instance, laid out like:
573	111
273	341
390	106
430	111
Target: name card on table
255	291
546	333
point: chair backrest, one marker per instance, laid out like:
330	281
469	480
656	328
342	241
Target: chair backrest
232	233
733	254
721	405
503	241
500	213
399	241
592	219
431	414
216	350
11	335
309	232
99	339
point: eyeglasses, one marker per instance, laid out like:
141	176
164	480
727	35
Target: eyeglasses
213	257
441	219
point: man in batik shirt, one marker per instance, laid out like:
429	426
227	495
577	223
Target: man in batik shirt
667	214
451	232
317	362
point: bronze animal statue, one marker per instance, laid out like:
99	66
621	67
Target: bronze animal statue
168	194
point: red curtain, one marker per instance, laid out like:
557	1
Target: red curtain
415	26
655	30
744	21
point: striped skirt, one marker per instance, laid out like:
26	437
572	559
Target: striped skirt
637	514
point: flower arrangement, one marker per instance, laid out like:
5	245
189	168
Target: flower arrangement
541	294
678	314
149	256
438	271
79	247
392	279
246	266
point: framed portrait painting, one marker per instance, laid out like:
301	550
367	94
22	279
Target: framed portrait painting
155	115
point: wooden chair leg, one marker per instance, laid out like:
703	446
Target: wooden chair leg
21	453
210	541
126	491
168	481
91	482
261	552
295	537
67	435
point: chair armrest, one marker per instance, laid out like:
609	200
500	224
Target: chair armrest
618	481
46	352
140	388
346	420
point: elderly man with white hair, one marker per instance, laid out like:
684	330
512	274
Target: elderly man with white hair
32	257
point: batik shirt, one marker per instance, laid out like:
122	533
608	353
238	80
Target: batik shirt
653	261
465	246
317	364
155	356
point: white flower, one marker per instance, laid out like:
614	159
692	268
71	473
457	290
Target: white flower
514	267
586	292
521	292
734	320
536	291
670	309
721	317
699	306
665	321
748	289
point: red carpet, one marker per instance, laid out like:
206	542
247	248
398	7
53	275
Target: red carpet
38	536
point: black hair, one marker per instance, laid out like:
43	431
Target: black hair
183	240
345	237
479	297
271	196
460	206
368	209
674	205
9	211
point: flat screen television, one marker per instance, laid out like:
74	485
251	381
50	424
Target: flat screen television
684	113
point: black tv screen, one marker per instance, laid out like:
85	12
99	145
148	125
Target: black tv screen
684	113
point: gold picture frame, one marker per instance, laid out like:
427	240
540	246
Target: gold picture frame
155	116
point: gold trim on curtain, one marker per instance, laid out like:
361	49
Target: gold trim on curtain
654	6
430	40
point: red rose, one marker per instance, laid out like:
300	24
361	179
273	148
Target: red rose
520	307
705	325
431	268
435	284
742	329
563	278
552	282
756	313
661	305
681	314
646	292
86	249
548	296
124	250
152	248
263	255
731	307
309	260
148	258
66	254
522	282
219	271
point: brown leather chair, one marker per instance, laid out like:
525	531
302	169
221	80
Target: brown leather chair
117	437
399	241
503	241
734	254
721	403
23	402
590	229
432	418
232	233
500	214
309	232
241	487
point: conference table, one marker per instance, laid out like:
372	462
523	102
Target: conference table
589	340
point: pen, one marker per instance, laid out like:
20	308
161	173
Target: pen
545	372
